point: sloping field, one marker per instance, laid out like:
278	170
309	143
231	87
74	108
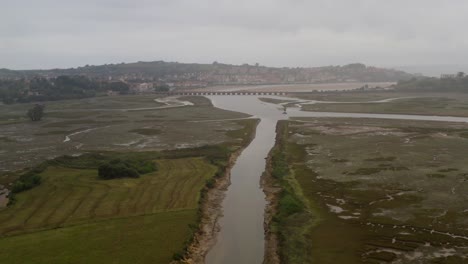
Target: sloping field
87	220
139	239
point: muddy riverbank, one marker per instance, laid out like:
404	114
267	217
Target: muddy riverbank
272	191
241	238
211	212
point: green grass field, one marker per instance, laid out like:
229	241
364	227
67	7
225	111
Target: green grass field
73	217
139	239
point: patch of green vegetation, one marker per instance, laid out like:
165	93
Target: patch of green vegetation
85	161
450	104
118	168
70	123
274	101
449	260
436	175
150	238
374	170
365	171
464	135
54	132
339	160
290	205
146	131
6	140
448	170
25	182
382	159
71	114
382	256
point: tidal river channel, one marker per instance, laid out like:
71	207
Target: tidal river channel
241	238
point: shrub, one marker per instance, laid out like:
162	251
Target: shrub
289	205
11	199
36	113
210	183
25	182
117	169
280	165
178	256
141	166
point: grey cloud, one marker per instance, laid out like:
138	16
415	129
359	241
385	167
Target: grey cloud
52	33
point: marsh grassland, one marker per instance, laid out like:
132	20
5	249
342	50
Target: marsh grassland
371	191
445	104
120	123
73	216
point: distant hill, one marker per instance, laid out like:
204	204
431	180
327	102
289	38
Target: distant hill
447	83
434	70
7	74
38	89
199	75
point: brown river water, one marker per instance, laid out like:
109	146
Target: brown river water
241	239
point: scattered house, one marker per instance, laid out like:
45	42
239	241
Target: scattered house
143	88
33	93
447	76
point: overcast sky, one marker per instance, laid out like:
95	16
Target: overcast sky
64	33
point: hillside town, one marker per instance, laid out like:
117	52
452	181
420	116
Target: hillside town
146	76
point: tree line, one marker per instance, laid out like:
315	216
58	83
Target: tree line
39	89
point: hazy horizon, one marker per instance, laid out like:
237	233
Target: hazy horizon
431	70
397	34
